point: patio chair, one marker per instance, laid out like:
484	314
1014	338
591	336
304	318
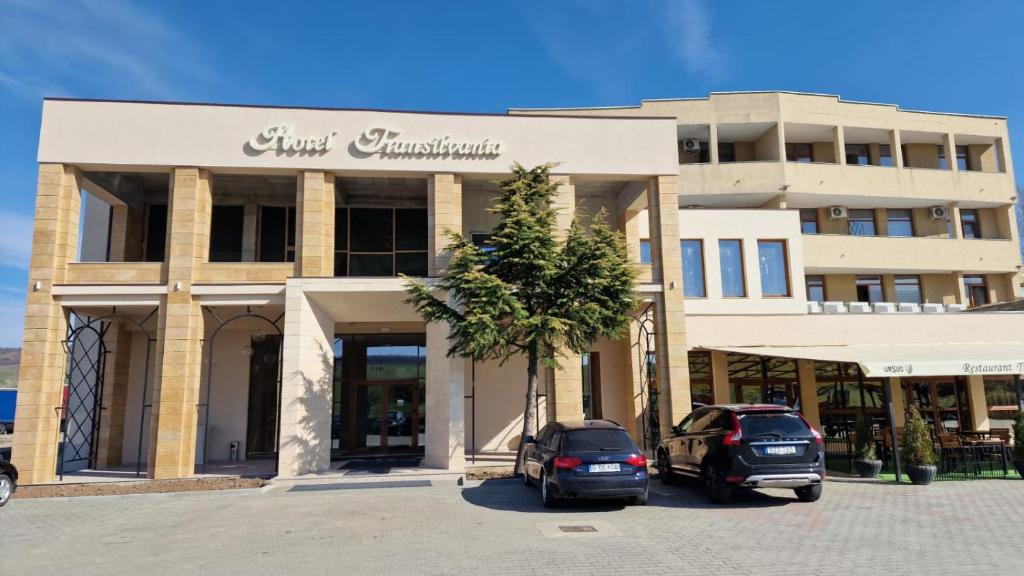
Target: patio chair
951	453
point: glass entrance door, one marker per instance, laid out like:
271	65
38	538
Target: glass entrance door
943	402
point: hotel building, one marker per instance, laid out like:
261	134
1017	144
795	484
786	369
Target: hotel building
212	283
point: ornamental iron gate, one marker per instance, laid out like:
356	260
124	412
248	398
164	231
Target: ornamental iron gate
648	378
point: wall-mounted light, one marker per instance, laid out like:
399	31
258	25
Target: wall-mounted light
672	285
177	286
37	286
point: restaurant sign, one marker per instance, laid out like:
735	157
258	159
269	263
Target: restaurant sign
943	368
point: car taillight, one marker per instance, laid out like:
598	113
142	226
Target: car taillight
734	479
734	437
567	462
638	460
818	438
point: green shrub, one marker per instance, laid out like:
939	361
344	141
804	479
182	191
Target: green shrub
918	449
864	449
1018	436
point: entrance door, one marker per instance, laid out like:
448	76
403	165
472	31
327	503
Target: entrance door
941	401
264	371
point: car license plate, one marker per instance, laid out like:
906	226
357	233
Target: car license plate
779	450
604	468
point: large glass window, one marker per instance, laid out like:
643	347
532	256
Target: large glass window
815	288
857	154
942	157
730	257
844	394
726	152
963	159
808	221
226	225
156	232
693	268
773	263
977	289
862	222
700	377
799	153
380	242
908	289
970	224
869	289
899	222
885	155
277	234
645	251
1002	401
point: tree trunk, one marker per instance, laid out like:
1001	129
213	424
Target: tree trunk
530	411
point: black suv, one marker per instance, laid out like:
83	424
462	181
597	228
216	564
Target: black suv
585	459
745	446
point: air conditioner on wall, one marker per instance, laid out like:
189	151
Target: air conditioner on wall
837	212
691	145
938	212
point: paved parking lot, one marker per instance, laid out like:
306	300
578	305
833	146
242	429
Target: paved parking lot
499	527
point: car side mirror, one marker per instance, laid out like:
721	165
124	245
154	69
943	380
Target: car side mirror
529	440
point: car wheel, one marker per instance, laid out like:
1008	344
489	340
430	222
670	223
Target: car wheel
665	473
6	488
640	500
715	486
546	496
809	493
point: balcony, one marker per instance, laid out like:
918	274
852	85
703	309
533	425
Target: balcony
827	253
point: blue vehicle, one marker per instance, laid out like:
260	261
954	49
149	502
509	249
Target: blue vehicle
8	400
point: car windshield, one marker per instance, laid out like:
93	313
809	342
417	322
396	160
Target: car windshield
777	424
594	440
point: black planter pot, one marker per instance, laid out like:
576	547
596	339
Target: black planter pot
1019	465
868	468
922	475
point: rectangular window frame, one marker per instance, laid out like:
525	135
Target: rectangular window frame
973	222
809	216
703	267
862	280
785	266
742	269
902	280
852	221
909	219
348	253
818	281
801	152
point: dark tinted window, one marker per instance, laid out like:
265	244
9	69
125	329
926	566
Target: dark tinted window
596	439
411	263
226	233
272	233
782	424
371	265
371	230
410	229
156	232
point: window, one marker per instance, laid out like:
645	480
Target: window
963	159
808	221
277	234
726	152
380	242
869	289
1002	401
799	153
857	154
899	222
977	290
693	268
730	258
700	377
862	222
969	224
884	155
942	157
774	265
815	288
156	232
908	289
645	251
226	224
592	386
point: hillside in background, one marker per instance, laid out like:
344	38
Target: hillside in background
9	359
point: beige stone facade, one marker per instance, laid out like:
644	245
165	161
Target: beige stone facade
257	274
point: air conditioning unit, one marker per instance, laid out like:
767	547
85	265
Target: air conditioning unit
837	213
691	145
938	212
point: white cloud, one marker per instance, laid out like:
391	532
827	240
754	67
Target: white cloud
16	245
689	36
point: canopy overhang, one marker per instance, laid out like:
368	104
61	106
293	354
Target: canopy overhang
907	360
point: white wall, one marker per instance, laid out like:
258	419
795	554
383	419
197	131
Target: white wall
500	399
133	409
95	229
229	397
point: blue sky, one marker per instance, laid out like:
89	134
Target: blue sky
483	56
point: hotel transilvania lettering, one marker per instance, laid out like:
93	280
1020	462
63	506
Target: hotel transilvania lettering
384	141
281	137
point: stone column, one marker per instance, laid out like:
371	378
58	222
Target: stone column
306	387
720	377
898	401
809	392
978	402
956	230
713	143
896	148
315	222
949	144
839	144
115	396
673	369
40	375
633	399
250	222
172	444
446	378
444	213
568	377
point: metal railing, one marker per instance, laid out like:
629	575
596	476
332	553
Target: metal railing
954	463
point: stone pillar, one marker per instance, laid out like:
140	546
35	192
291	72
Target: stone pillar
720	377
809	392
633	374
444	213
315	222
839	144
306	387
896	148
446	418
568	377
673	369
40	375
250	224
180	330
118	343
898	401
956	230
978	402
713	143
962	297
118	233
949	144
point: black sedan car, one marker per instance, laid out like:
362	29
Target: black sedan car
8	481
585	459
736	446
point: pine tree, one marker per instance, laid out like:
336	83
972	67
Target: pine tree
529	292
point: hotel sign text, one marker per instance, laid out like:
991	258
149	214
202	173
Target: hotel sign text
375	140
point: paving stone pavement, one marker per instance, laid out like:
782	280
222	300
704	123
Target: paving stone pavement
499	527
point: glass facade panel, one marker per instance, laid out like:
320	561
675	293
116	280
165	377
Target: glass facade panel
772	261
372	230
693	268
380	241
808	221
908	289
899	222
857	154
862	222
885	155
730	256
970	224
371	265
226	224
799	153
869	289
645	251
815	288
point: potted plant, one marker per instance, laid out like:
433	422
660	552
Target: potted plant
918	450
865	461
1018	443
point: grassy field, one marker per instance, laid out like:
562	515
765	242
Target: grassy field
9	376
